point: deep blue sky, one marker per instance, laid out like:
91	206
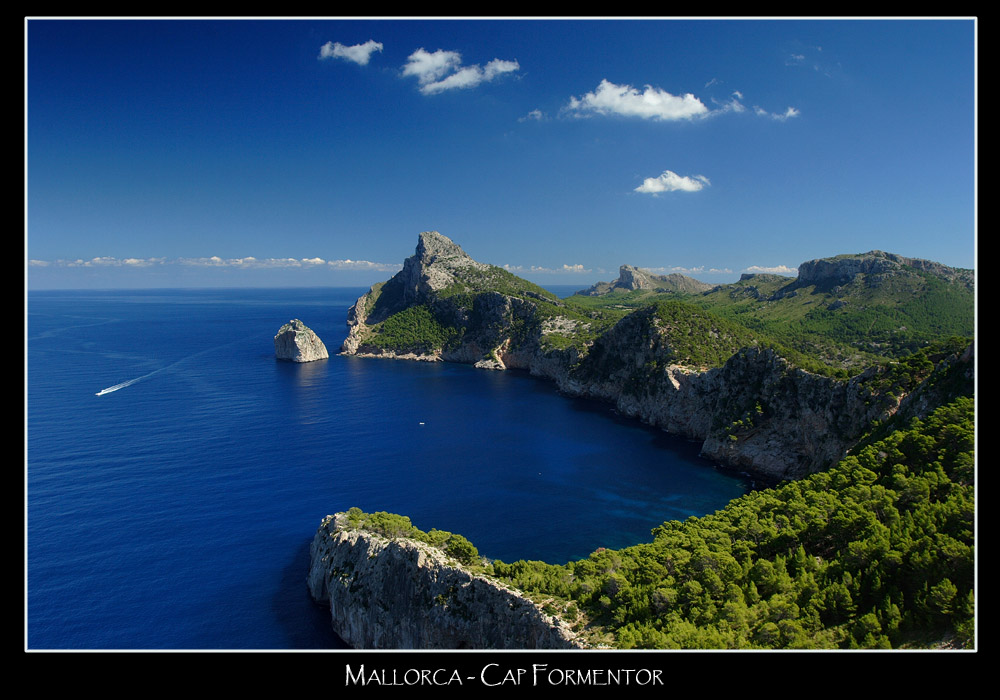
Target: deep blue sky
156	146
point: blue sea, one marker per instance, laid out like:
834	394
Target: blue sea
175	510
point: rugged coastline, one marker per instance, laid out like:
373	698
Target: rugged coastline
754	411
862	426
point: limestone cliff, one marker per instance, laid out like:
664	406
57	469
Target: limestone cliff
403	594
755	411
296	342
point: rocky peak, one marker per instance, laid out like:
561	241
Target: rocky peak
434	266
432	246
631	278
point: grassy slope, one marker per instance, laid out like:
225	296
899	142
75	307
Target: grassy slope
867	323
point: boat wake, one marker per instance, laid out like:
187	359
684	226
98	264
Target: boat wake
130	382
116	387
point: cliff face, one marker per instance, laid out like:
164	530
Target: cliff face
755	413
403	594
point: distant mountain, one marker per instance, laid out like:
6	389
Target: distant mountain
632	278
877	266
850	309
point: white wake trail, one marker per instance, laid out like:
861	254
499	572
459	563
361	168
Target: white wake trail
116	387
130	382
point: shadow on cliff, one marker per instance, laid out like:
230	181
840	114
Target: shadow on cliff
306	624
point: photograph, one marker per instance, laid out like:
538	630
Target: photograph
559	336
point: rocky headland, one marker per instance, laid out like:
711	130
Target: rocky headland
400	593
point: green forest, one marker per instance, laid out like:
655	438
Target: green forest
874	553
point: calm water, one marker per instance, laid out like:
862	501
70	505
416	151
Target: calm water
176	511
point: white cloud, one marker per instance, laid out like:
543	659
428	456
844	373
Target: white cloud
359	53
784	116
670	181
659	105
102	261
467	77
364	265
732	105
577	269
499	67
701	270
246	263
533	115
625	100
776	270
429	67
443	70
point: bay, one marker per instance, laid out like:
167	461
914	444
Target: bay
175	510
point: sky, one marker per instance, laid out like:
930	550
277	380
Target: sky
297	152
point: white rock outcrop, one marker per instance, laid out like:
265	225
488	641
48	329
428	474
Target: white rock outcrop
296	342
403	594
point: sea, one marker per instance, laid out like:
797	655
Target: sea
176	472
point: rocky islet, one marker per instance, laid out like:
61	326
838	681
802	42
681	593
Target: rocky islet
296	342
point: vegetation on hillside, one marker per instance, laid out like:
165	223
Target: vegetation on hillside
877	552
852	324
836	330
495	279
395	526
414	329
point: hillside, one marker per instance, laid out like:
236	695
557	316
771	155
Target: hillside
845	312
870	545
